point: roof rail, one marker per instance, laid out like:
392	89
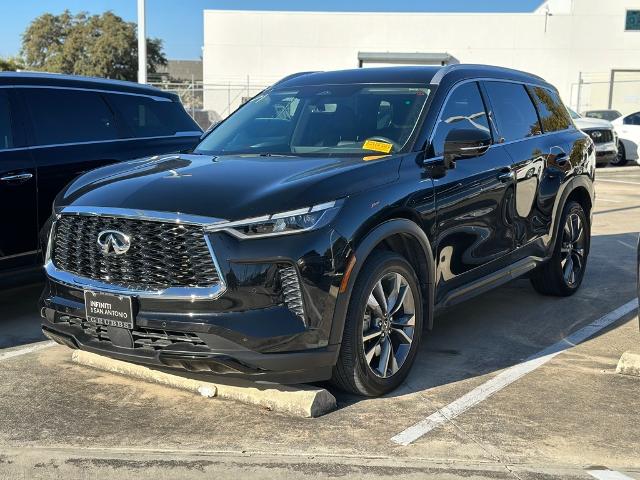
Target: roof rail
293	75
437	78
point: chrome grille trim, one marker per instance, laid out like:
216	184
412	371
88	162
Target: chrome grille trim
169	292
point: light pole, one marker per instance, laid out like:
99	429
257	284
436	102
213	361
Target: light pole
142	44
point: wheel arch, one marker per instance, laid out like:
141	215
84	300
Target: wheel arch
400	235
579	189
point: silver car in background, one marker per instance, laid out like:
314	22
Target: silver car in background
604	137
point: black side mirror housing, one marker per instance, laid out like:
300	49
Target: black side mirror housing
463	143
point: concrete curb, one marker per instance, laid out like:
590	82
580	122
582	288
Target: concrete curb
296	400
629	364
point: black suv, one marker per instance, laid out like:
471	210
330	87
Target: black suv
55	127
314	233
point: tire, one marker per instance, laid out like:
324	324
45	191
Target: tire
621	159
563	273
360	367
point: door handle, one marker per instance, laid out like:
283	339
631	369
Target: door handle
506	176
17	177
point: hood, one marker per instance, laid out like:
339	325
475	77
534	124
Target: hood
584	122
227	187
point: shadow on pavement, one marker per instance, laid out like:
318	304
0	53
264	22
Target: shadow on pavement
505	326
19	317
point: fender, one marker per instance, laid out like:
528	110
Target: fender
362	251
569	187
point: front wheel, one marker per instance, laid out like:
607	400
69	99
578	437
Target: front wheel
621	158
562	274
383	327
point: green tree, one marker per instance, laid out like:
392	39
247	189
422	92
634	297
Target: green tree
11	64
95	45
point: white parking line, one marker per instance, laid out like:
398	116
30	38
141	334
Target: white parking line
616	181
608	475
627	244
508	376
600	199
24	350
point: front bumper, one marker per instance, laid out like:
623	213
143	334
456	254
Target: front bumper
606	152
249	330
193	356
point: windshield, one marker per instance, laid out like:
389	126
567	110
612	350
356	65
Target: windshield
321	120
603	114
573	114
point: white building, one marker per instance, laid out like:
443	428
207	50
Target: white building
574	44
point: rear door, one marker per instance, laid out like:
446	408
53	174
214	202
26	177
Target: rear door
473	199
73	131
538	134
18	193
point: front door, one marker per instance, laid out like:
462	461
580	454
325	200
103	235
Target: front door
473	199
18	193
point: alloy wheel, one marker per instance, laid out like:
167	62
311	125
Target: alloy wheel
388	326
573	249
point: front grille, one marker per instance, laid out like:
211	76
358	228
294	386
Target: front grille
161	255
143	338
600	136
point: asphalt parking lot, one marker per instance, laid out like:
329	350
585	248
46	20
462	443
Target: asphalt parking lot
488	414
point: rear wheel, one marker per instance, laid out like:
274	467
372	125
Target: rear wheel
621	158
383	327
562	274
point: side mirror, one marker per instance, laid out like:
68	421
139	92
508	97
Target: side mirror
464	143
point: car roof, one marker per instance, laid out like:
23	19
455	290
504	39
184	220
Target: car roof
77	81
408	74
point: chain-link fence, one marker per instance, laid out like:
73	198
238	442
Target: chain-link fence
618	90
209	103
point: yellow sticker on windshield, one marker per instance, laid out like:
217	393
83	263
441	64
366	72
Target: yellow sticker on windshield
376	146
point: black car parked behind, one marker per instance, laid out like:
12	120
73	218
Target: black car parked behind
56	127
316	231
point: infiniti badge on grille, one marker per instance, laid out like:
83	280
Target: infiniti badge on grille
113	242
596	134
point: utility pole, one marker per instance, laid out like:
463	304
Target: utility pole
579	92
142	43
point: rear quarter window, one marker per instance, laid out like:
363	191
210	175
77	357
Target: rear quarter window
69	116
515	116
553	113
147	117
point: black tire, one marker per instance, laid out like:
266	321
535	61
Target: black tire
353	373
551	277
621	159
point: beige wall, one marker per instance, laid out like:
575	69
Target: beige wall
582	35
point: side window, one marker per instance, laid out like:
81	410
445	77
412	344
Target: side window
633	119
553	114
465	110
515	115
6	134
69	116
147	117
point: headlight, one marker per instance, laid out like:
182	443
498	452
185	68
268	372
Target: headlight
283	223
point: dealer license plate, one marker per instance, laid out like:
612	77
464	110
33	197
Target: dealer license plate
108	309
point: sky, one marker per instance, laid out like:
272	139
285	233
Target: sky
179	22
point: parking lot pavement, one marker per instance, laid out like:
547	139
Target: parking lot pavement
18	324
569	415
